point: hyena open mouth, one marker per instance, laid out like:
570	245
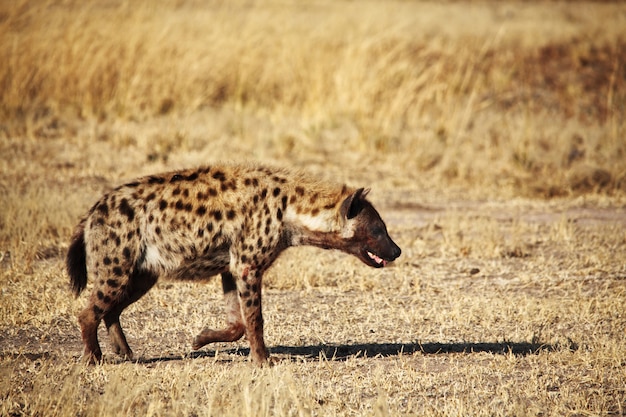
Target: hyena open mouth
378	261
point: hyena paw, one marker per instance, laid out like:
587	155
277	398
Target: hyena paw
204	337
91	358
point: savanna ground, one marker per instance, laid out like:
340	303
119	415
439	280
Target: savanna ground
492	135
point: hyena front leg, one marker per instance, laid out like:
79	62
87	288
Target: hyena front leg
234	324
249	291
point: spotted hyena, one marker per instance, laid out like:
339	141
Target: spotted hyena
232	220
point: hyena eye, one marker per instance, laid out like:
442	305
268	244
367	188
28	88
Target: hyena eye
377	231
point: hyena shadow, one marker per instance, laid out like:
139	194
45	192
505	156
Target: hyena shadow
344	352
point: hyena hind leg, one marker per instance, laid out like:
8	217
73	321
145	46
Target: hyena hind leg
116	335
139	284
89	319
235	328
107	302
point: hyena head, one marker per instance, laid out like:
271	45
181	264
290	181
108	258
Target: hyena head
365	232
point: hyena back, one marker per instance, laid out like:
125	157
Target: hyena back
232	220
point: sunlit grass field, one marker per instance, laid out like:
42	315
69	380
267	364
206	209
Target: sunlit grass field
492	135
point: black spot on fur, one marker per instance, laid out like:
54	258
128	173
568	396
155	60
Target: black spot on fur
126	253
155	180
176	178
176	191
201	210
107	260
212	192
132	184
157	230
230	214
284	202
276	192
150	196
279	214
300	191
217	214
264	193
219	175
112	283
162	205
100	295
188	207
97	310
127	210
103	208
118	271
192	176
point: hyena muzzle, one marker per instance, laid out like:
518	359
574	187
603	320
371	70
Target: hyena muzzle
232	220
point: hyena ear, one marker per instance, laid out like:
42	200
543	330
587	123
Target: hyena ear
353	204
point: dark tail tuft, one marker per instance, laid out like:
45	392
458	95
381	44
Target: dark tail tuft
76	261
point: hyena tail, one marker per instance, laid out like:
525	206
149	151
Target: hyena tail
76	261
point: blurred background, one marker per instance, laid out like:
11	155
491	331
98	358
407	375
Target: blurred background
494	98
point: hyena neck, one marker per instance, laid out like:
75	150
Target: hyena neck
324	240
323	228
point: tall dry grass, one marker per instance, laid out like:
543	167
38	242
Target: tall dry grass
476	93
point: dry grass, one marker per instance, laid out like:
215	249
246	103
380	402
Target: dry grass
486	94
492	135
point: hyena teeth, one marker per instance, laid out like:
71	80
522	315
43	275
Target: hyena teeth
377	258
